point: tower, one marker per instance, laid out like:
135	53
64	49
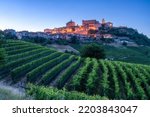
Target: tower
103	21
70	24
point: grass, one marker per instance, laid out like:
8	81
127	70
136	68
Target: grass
138	55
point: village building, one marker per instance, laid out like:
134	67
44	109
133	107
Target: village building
72	28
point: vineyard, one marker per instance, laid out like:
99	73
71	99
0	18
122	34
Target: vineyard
87	78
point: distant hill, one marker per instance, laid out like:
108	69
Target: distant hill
133	34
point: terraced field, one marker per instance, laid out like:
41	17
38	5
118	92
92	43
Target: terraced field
31	63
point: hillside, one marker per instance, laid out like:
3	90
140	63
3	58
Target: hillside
31	63
131	33
138	55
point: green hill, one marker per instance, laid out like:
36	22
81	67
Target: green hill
31	63
138	55
131	33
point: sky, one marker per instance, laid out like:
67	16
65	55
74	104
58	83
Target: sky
36	15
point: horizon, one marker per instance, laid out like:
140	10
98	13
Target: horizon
32	15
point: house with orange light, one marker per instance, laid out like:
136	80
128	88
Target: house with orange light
73	28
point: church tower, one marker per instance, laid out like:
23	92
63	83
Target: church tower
103	21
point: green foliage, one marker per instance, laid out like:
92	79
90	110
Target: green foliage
136	83
78	81
115	80
2	53
52	73
32	76
16	63
142	76
128	92
12	52
133	34
61	42
67	74
12	43
2	56
93	83
74	40
107	40
124	43
1	36
114	83
9	36
49	93
22	70
16	47
129	54
37	39
104	82
24	54
93	51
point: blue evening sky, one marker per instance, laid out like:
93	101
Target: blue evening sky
36	15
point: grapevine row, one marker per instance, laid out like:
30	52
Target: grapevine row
78	81
135	82
22	70
13	52
32	75
142	79
25	54
104	79
128	92
22	61
16	47
92	86
115	90
12	44
68	72
52	73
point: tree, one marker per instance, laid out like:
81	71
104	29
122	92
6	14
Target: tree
61	41
74	40
1	34
10	36
131	33
93	51
124	43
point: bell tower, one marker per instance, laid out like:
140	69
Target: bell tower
103	21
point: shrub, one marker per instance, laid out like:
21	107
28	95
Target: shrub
93	51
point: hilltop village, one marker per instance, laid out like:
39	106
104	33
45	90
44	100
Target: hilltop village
89	31
73	28
82	31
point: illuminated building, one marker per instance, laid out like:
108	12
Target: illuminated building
90	24
72	28
70	24
107	24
